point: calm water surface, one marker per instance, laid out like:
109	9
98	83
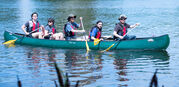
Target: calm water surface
126	68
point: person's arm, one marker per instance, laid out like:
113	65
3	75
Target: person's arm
135	25
93	33
81	18
78	30
69	28
24	28
117	28
116	35
42	28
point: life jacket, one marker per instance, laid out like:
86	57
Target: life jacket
68	33
98	34
32	26
53	30
122	31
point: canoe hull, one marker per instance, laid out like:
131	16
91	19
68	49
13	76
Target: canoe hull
150	43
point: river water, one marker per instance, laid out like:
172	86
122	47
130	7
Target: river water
123	68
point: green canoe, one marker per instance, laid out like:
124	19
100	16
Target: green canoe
149	43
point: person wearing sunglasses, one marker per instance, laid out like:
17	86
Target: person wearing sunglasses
120	29
50	31
71	26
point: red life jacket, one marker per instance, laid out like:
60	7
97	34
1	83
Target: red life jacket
53	30
98	35
68	33
34	25
72	32
124	31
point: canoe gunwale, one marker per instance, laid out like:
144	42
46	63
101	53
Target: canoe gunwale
20	35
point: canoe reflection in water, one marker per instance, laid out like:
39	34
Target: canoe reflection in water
89	70
136	60
82	68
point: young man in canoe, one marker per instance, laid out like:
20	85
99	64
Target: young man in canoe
50	31
95	32
120	29
32	27
71	26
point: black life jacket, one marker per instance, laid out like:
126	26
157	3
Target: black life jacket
122	30
32	26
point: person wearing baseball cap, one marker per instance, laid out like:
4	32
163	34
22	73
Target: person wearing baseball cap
71	26
120	29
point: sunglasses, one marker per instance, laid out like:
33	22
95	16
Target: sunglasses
123	19
50	22
73	18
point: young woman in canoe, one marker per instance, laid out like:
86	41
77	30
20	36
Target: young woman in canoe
71	26
50	31
120	29
32	27
95	32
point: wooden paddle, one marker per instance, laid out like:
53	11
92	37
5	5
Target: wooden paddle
11	42
87	47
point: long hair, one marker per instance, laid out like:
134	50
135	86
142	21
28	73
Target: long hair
98	23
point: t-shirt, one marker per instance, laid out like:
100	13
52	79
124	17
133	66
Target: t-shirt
119	28
71	26
94	32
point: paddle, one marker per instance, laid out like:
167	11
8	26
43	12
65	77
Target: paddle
11	42
87	47
115	43
96	41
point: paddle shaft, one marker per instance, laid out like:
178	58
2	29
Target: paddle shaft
115	43
33	31
82	28
87	47
23	35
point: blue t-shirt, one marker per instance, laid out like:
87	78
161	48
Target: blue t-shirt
71	26
93	33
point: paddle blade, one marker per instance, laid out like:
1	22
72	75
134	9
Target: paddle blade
10	42
96	41
87	47
11	45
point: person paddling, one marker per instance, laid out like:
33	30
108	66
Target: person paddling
50	32
120	29
71	26
32	27
95	32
